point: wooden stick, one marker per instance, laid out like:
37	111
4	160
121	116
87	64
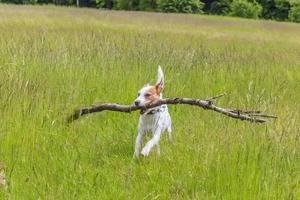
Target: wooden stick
205	104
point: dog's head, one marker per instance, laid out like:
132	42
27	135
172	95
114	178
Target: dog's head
150	94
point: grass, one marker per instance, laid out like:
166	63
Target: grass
53	60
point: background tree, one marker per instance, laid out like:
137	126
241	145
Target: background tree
275	9
220	7
246	9
294	13
148	5
182	6
100	3
126	4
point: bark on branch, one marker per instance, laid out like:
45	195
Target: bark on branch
252	116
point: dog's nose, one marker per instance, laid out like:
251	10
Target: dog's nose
136	103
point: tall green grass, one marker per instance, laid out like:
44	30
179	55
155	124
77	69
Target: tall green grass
53	60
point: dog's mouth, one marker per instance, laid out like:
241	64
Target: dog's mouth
143	111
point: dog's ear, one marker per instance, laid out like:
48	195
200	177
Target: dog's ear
160	81
159	87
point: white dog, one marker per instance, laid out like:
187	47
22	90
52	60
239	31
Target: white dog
155	120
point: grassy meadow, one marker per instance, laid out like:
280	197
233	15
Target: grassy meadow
53	60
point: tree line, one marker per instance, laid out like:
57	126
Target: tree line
281	10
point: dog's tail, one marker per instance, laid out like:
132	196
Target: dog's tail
160	76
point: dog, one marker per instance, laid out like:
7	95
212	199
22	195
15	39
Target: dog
155	120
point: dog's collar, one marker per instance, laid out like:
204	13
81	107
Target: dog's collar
161	108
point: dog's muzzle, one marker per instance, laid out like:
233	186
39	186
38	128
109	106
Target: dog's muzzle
137	102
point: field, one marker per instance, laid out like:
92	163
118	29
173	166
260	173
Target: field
53	60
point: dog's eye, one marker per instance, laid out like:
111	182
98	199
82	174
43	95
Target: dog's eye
139	94
147	95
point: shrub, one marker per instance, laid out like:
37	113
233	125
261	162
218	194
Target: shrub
148	5
168	6
246	9
126	4
123	5
282	9
68	2
294	13
275	9
182	6
44	1
100	3
29	1
220	7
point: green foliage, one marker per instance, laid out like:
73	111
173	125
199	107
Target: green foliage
147	5
123	4
21	1
283	7
168	5
275	9
50	1
181	6
221	7
245	8
126	4
30	1
13	1
294	13
269	9
100	3
70	2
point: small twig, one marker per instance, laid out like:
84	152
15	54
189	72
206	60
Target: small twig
245	111
215	97
205	104
261	115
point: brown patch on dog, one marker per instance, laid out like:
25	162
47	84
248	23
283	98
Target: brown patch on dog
152	94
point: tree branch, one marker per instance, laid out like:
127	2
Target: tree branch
252	116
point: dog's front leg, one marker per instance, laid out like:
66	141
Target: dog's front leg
138	143
154	141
